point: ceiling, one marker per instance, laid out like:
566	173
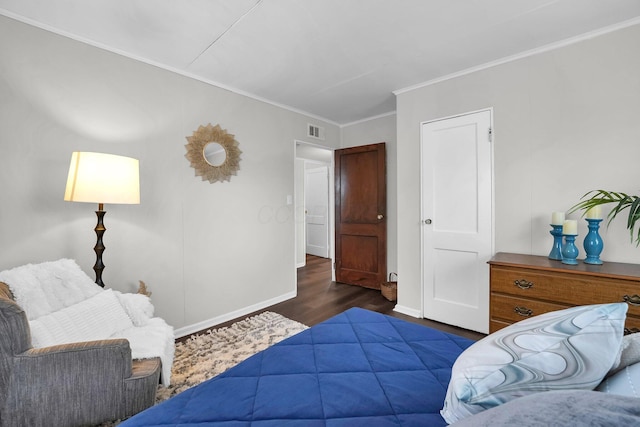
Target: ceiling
338	60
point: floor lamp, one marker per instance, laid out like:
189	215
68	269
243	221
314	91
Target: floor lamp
102	178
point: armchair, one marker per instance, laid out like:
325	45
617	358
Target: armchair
74	354
72	384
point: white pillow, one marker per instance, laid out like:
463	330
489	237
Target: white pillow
138	307
625	382
566	349
629	352
41	289
95	318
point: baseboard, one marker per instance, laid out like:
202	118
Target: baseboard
210	323
408	311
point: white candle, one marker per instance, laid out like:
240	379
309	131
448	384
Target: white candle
557	218
595	212
570	226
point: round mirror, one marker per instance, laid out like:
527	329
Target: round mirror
214	154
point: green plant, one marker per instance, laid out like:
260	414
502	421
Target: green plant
624	201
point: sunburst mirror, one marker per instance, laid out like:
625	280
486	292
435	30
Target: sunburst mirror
213	153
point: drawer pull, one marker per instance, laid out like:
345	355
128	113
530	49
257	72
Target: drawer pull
523	284
632	300
523	311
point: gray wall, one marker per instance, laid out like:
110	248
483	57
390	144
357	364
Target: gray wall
208	252
566	122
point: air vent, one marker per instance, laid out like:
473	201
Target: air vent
315	131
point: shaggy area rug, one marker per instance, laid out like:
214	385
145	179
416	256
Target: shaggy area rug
208	354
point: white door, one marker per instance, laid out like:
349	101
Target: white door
316	189
457	182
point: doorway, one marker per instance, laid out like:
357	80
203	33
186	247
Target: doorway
314	158
457	219
316	208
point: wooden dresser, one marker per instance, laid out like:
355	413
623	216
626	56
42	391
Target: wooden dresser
526	285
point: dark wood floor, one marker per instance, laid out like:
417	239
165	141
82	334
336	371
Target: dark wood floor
319	299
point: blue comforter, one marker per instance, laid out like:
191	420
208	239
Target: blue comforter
359	368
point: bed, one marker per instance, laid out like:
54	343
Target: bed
362	368
357	368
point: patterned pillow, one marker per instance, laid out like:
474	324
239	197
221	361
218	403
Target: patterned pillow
566	349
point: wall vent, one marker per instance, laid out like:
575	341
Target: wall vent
315	131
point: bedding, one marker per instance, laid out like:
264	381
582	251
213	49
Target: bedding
357	368
560	408
625	382
559	350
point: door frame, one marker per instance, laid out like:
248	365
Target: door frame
299	216
422	213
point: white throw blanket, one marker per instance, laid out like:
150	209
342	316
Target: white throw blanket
64	305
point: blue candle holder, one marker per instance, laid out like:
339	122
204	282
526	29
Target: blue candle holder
556	249
593	243
569	249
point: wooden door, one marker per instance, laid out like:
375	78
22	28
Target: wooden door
361	224
457	219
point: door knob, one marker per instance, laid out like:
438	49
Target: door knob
427	221
380	216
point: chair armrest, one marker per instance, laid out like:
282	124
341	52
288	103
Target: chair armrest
80	356
90	374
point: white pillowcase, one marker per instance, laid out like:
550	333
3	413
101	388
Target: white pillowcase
95	318
566	349
625	382
629	352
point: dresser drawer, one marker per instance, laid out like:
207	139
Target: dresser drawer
564	288
513	309
506	310
632	324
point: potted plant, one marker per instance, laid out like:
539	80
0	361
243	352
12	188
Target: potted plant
624	201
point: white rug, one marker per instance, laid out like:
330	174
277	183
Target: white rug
206	355
210	353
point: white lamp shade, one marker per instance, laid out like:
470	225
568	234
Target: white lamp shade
103	178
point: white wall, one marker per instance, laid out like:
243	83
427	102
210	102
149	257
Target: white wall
566	122
373	131
206	251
